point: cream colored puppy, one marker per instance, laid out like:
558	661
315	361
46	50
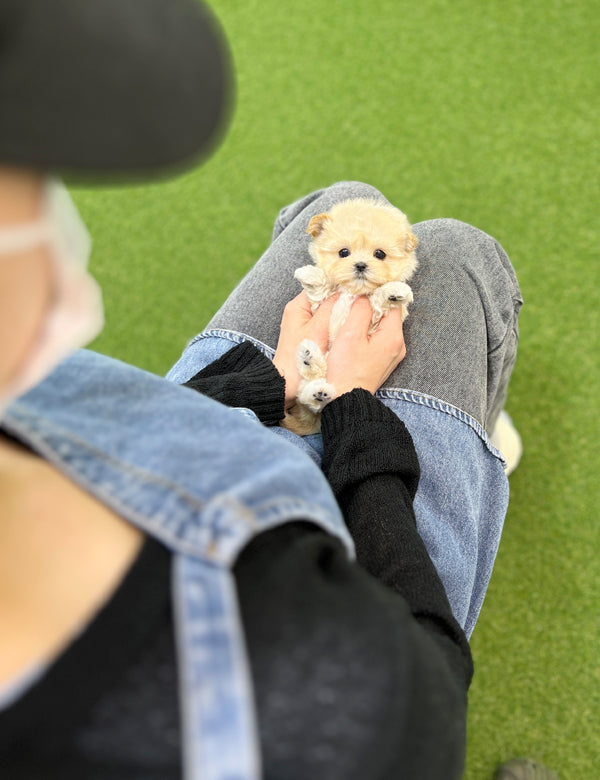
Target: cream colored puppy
360	247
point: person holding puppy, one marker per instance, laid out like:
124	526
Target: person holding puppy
171	606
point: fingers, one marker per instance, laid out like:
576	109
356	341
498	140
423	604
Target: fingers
390	330
318	327
358	320
298	309
301	321
323	313
358	359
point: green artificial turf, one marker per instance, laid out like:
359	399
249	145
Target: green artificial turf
483	111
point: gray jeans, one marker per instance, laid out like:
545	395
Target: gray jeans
462	332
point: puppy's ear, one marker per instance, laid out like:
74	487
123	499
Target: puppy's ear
410	241
317	225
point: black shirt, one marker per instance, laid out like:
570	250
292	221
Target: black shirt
359	668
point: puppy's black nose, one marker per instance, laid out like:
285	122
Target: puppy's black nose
360	267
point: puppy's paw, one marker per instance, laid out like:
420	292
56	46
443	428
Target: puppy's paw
316	394
310	360
395	292
310	276
315	284
390	296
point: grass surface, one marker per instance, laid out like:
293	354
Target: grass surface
487	112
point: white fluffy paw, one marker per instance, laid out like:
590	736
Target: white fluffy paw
394	293
314	283
316	394
310	360
390	296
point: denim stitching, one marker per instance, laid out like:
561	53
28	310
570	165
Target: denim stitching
393	394
40	434
67	457
234	336
47	430
437	405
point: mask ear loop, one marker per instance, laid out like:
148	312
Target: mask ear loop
71	235
19	238
59	225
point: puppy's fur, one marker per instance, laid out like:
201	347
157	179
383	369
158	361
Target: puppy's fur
360	247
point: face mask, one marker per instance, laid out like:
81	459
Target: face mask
75	316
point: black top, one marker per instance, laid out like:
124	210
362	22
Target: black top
107	708
360	670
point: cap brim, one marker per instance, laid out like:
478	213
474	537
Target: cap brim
112	89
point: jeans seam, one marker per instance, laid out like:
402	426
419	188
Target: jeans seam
234	336
400	394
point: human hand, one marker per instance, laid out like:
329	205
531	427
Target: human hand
359	360
298	323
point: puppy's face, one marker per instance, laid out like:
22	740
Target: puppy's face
362	244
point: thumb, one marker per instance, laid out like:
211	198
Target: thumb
298	310
319	326
323	313
390	333
359	318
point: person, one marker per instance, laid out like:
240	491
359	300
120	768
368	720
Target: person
188	588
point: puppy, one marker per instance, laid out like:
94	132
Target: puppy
360	247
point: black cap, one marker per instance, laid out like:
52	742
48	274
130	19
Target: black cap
109	89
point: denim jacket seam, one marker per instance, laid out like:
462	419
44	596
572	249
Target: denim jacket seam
41	429
269	512
109	495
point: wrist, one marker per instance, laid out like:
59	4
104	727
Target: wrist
344	389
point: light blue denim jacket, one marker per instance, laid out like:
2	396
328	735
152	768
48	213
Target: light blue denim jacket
204	479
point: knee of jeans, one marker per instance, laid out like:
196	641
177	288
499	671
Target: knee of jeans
491	252
448	228
348	190
458	242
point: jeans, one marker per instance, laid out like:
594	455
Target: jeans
461	337
462	332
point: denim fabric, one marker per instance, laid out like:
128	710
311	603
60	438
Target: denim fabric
201	478
462	331
463	493
461	338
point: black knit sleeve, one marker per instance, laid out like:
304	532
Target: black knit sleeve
244	377
372	467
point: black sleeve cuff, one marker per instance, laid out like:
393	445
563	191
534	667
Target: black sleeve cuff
244	377
361	436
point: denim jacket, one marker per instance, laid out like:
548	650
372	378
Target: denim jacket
203	479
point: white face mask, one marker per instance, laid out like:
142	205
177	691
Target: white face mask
75	315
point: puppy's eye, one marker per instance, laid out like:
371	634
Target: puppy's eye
379	254
344	252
